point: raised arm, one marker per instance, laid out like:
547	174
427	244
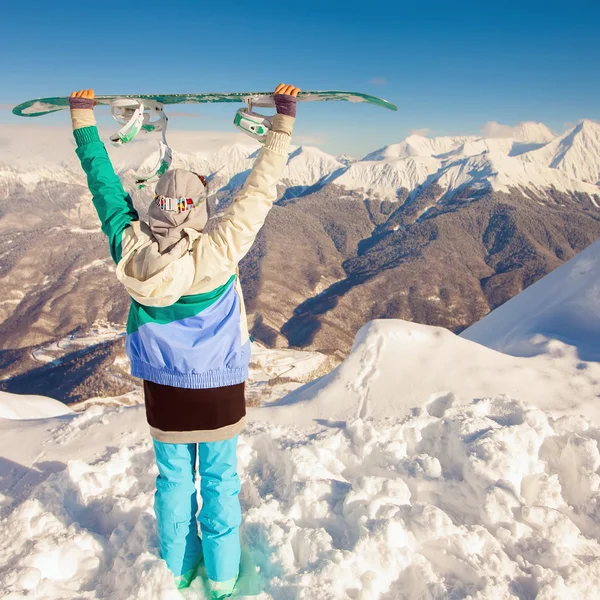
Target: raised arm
222	249
113	205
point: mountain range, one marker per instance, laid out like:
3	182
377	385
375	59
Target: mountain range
434	230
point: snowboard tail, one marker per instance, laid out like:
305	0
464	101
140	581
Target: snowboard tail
44	106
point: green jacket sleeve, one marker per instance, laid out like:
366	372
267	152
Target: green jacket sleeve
113	205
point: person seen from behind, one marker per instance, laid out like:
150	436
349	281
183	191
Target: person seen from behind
187	336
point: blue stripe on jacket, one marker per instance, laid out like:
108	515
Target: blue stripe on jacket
201	351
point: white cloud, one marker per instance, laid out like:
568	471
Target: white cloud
378	81
31	144
309	140
493	129
424	132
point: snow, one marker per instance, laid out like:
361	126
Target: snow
98	333
424	466
576	153
418	145
487	497
500	172
387	177
308	165
525	156
395	366
558	314
20	407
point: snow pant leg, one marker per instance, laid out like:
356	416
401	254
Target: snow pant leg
176	505
221	515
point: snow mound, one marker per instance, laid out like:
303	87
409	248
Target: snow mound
16	406
492	499
396	365
562	308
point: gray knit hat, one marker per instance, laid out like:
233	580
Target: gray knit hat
178	184
170	212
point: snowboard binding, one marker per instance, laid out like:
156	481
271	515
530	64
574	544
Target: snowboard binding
135	117
254	124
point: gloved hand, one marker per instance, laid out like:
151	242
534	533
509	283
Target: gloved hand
82	109
285	99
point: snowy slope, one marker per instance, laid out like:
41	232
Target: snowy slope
395	366
483	498
308	165
17	406
562	308
498	171
387	177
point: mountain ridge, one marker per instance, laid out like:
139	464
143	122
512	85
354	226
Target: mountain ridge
439	239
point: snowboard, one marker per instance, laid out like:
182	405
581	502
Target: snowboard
44	106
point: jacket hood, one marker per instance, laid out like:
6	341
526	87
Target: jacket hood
170	274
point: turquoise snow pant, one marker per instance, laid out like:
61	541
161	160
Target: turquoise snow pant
176	507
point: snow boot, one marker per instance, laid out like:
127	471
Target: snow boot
183	581
221	589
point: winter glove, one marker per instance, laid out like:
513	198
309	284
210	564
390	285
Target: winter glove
285	103
285	99
82	109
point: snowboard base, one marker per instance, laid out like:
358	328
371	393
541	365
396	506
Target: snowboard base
44	106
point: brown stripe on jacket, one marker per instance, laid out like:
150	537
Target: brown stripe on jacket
185	416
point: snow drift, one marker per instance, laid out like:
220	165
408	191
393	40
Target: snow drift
489	499
17	406
395	366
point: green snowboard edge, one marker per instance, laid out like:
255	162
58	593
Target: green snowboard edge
44	106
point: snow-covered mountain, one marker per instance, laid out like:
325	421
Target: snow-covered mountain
574	153
527	156
533	157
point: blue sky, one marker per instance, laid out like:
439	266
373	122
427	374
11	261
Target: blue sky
450	67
